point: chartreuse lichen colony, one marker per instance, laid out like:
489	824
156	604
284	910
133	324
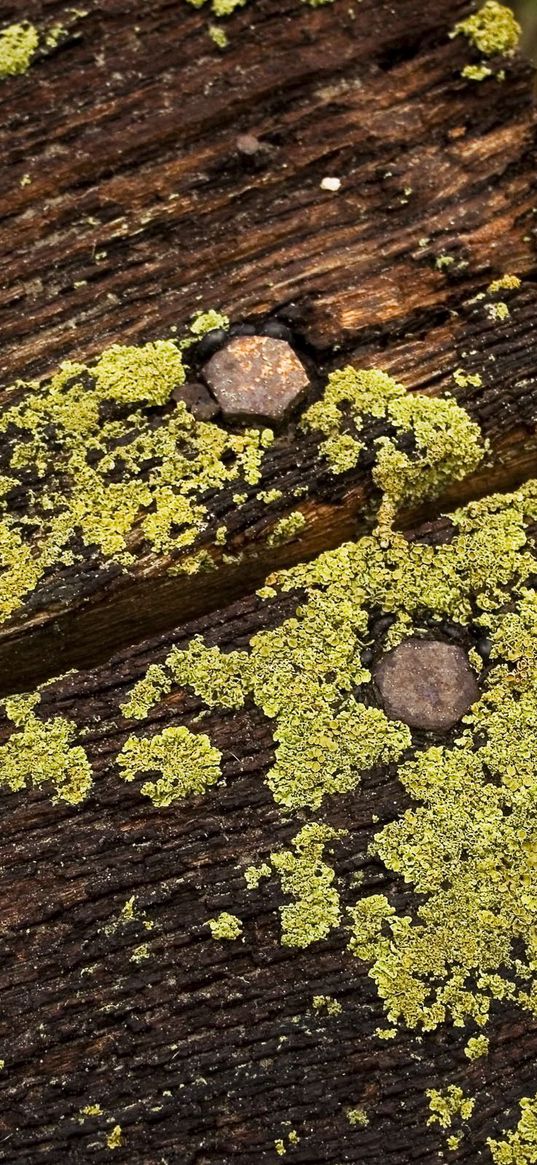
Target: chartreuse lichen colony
467	845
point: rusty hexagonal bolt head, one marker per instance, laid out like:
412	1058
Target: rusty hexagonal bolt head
256	377
426	683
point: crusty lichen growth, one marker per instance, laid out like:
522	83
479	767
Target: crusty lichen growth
448	1105
518	1147
448	443
309	880
504	283
91	1110
114	1139
254	874
89	468
287	528
140	953
187	762
478	72
467	845
226	927
18	44
43	752
498	311
467	379
476	1047
492	30
326	1003
357	1117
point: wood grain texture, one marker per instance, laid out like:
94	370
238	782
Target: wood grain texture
227	1029
141	209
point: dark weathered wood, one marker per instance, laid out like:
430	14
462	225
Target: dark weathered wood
140	210
230	1032
129	137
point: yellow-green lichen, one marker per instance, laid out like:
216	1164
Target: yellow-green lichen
225	927
91	1110
187	762
140	953
104	482
254	874
493	29
357	1117
449	1105
444	262
280	1146
476	1047
467	846
128	913
207	321
218	36
327	1003
448	443
518	1147
269	495
43	752
287	528
477	73
497	311
504	283
18	44
309	880
114	1139
467	379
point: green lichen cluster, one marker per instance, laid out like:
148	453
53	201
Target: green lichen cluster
448	443
88	468
292	1140
254	874
287	528
226	927
18	44
187	762
327	1003
308	879
301	675
357	1117
450	1107
114	1139
227	7
518	1147
493	31
504	283
96	465
467	844
476	1047
43	752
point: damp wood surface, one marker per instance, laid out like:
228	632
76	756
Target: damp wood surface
127	205
207	1051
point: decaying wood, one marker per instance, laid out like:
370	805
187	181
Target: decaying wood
231	1034
429	166
140	210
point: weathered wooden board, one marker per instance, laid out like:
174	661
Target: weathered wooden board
202	1050
139	208
128	203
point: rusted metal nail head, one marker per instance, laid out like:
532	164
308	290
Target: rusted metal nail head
257	377
426	683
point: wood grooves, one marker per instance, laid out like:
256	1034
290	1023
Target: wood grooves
126	205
